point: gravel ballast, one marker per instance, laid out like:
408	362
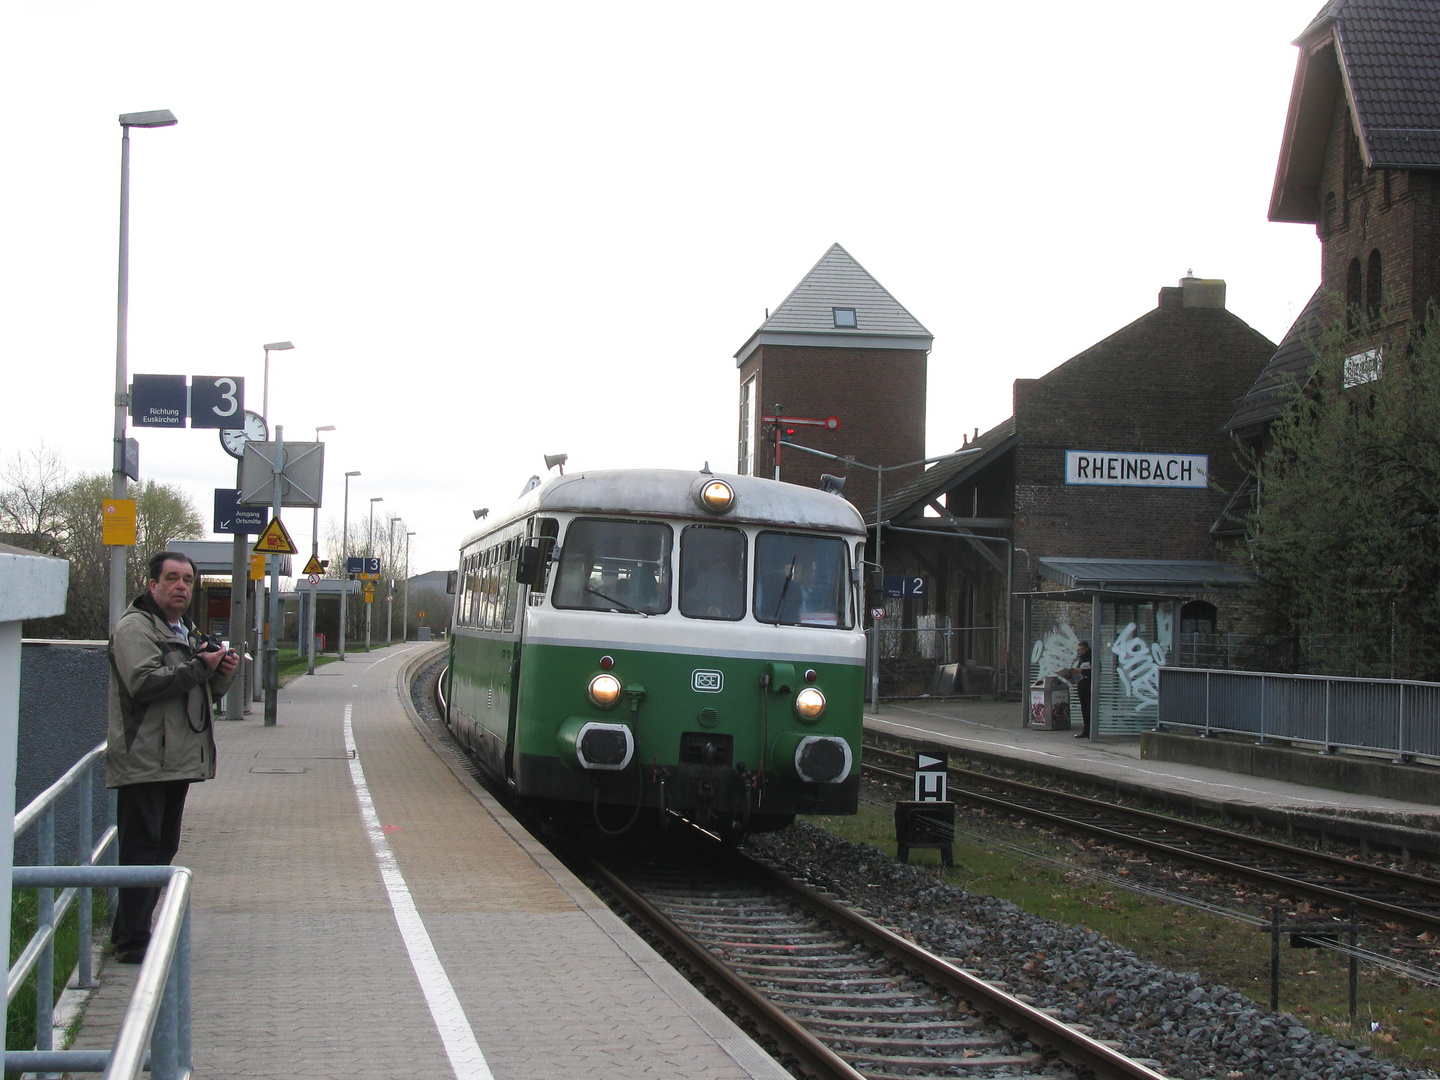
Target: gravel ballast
1193	1029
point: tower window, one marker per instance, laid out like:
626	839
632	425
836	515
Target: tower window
1352	294
1373	288
845	317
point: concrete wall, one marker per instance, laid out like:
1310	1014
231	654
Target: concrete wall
1339	772
63	713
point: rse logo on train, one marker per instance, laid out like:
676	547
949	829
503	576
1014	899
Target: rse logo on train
707	682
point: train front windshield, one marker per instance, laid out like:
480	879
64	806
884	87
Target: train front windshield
801	580
615	566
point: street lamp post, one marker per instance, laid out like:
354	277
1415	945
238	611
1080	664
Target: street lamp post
272	562
390	591
157	118
879	471
369	554
274	346
344	562
405	603
314	555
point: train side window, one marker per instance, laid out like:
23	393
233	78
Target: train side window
712	572
615	566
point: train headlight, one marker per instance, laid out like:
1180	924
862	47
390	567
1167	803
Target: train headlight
810	704
604	691
717	496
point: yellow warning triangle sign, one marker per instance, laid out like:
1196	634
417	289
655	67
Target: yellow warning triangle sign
275	540
313	566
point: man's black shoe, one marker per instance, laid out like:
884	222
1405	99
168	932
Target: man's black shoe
134	956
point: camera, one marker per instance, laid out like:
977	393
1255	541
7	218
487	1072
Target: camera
209	643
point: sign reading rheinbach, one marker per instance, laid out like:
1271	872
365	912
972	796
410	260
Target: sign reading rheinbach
1137	470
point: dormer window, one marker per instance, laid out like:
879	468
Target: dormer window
845	318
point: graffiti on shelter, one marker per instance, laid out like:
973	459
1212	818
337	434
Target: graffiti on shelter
1056	650
1138	665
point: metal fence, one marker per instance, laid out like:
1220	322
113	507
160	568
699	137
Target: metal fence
1394	716
159	1010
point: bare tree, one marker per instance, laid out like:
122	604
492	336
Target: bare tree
30	500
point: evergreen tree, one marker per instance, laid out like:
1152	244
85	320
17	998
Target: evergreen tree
1343	539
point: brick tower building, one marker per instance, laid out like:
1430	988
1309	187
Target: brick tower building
838	346
1360	160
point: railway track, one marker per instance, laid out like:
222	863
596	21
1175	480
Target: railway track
1377	891
841	995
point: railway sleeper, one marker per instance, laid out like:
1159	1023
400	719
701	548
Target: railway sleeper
978	1063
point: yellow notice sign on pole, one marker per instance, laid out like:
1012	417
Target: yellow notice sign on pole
257	567
117	522
275	540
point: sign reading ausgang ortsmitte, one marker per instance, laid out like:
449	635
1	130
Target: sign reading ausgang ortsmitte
1137	470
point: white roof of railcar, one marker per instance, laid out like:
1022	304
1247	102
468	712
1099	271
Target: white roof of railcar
670	493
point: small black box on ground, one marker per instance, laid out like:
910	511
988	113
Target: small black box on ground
925	825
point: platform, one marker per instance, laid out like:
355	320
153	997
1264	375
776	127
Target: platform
472	954
995	731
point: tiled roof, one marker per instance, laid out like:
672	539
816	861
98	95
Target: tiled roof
807	315
1389	55
1289	369
935	481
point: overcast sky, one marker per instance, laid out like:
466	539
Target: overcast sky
497	231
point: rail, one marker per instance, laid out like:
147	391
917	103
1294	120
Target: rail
38	956
1395	716
159	1010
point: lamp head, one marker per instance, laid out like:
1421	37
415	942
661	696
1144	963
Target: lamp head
378	498
279	346
154	118
355	473
325	427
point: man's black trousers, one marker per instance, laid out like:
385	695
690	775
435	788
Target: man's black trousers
147	818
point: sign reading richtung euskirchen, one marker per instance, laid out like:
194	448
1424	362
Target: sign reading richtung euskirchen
1137	470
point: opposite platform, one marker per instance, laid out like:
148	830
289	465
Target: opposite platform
361	909
996	731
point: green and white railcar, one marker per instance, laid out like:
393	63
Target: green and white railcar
665	639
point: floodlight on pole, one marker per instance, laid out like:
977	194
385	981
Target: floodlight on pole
274	346
369	546
314	554
345	560
153	119
405	603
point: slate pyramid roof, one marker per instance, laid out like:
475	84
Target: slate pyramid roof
1384	57
807	315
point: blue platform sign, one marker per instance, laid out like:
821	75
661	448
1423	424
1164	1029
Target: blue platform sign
232	517
158	400
904	586
217	401
358	564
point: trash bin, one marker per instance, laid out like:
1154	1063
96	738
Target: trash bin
1050	704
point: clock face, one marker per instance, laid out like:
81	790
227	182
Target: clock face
234	439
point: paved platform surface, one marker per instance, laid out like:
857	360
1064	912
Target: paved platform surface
440	940
997	729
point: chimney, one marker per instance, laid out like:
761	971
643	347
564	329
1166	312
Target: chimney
1203	292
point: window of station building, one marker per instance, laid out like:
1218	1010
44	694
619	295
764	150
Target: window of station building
1373	288
1353	299
619	566
747	428
845	318
1198	617
712	572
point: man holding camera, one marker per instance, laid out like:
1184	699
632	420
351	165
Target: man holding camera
165	679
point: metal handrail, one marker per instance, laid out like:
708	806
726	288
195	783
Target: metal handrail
158	1016
38	956
1396	716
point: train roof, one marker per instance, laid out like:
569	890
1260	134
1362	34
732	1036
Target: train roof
671	493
